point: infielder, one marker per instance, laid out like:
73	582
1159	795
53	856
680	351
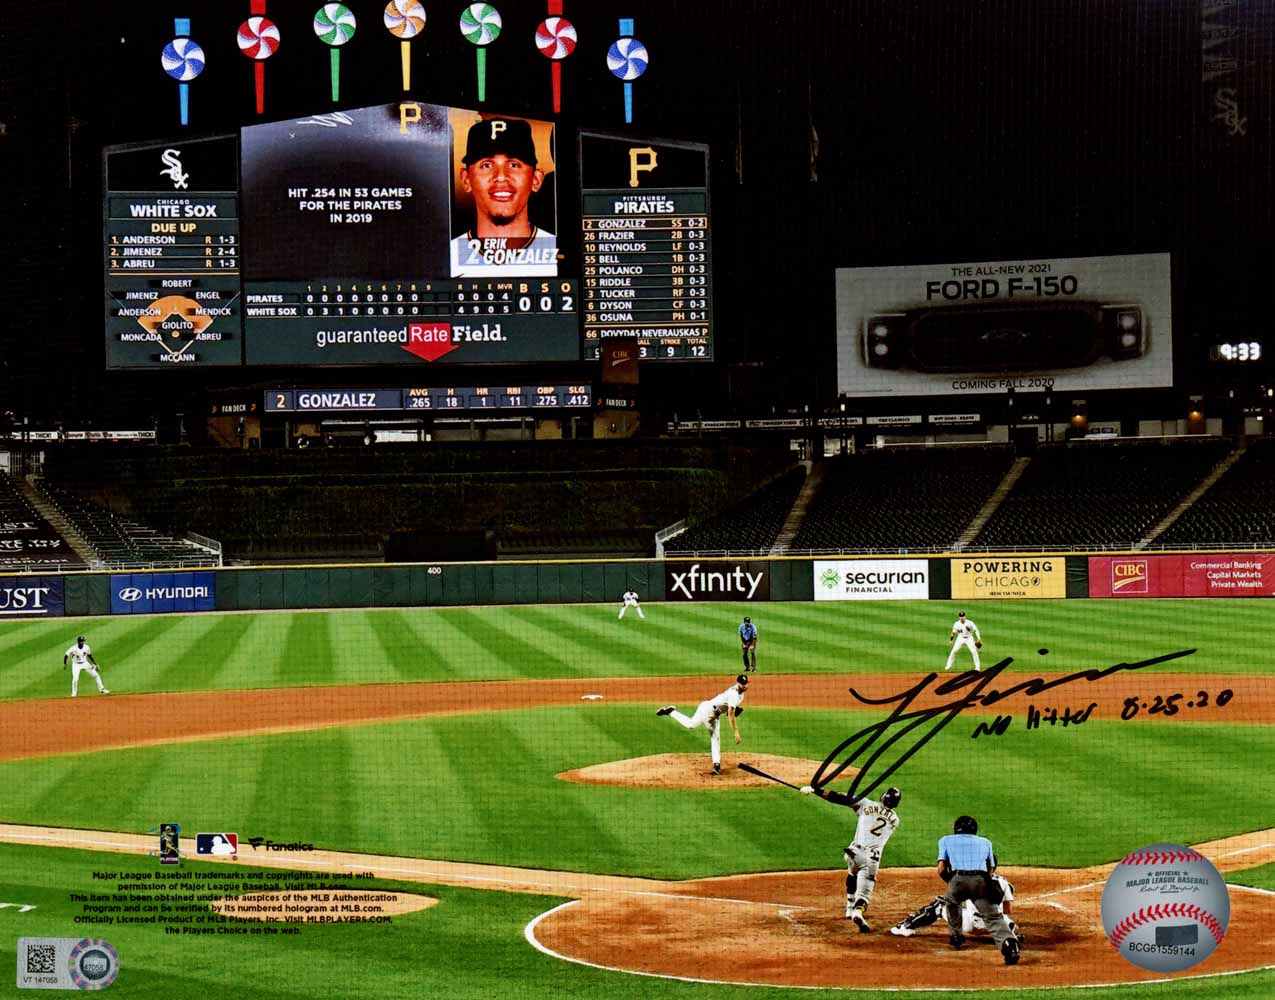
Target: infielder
965	633
970	920
630	599
748	643
877	821
81	658
728	703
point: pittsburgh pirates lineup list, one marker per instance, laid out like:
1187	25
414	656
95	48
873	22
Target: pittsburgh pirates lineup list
647	248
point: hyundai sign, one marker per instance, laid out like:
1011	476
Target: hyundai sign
31	597
161	593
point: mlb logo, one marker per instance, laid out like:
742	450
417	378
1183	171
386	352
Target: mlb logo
221	844
1129	576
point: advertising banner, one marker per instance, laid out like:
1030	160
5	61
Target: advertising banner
1135	576
717	581
1228	575
1009	577
162	593
31	597
1062	324
1201	575
872	579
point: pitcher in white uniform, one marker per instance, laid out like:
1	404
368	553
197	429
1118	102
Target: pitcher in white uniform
729	703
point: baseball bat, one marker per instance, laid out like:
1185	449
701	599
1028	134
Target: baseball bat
769	777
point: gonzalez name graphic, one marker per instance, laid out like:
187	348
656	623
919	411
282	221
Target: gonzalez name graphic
717	581
162	593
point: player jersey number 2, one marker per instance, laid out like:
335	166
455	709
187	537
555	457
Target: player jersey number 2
881	824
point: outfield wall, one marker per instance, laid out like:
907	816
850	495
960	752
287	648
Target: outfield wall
965	576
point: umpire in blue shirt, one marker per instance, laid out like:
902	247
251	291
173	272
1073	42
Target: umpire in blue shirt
966	863
748	642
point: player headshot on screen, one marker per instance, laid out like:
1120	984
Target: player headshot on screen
501	174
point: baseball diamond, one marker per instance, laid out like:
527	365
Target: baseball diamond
384	739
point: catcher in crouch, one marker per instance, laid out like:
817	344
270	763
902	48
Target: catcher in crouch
936	909
964	633
877	821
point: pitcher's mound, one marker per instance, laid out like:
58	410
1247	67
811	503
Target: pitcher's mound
695	770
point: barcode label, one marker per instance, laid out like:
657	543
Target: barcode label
42	959
66	963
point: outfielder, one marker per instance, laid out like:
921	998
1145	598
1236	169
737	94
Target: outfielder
965	633
970	920
728	703
877	821
81	658
630	599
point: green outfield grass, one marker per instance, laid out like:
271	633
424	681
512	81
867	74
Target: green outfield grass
482	788
470	946
290	649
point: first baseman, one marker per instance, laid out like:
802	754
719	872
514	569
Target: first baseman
877	821
965	633
630	599
81	658
728	703
970	920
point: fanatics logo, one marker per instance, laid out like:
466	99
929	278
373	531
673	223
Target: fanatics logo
1129	576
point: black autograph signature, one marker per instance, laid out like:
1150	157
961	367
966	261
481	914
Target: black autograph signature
974	691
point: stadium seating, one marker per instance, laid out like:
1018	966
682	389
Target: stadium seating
118	542
274	505
1239	509
751	524
905	498
27	540
1098	494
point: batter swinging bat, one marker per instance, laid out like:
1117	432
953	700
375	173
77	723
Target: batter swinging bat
769	777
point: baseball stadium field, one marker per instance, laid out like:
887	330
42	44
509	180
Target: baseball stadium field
540	832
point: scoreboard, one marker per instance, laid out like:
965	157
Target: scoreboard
646	247
371	236
172	255
432	398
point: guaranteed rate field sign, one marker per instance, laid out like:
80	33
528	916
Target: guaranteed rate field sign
972	327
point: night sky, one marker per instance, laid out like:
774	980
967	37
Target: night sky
842	134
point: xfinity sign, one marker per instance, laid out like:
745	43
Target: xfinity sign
717	581
31	597
161	593
872	579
